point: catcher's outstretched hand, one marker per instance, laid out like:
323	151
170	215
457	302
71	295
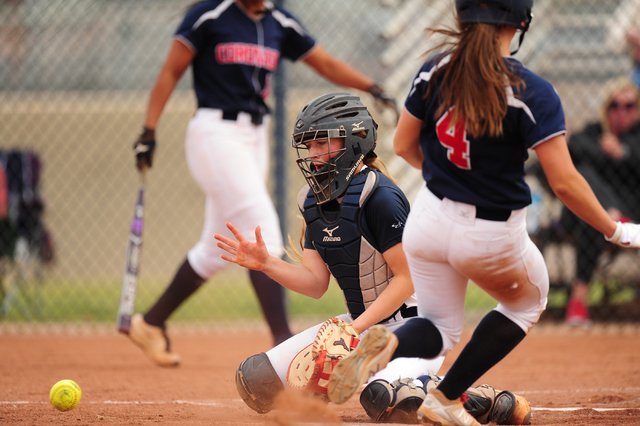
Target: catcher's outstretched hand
626	235
243	252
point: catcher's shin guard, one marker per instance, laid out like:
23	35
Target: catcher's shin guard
395	402
257	383
487	404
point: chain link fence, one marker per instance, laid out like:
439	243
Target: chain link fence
76	75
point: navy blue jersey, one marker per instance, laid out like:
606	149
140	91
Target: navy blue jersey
383	218
485	171
236	55
351	236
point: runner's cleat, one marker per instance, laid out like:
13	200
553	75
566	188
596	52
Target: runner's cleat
153	341
370	356
437	409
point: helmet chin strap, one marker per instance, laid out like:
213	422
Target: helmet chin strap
519	43
523	31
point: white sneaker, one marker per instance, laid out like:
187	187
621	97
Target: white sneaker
370	356
153	342
439	410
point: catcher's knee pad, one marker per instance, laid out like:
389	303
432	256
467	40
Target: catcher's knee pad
487	404
395	402
257	383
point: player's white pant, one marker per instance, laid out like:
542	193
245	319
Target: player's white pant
446	246
281	356
229	161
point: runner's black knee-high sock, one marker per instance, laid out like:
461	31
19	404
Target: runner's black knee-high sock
418	338
184	284
493	339
271	297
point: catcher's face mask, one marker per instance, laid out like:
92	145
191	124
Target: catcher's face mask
318	151
334	118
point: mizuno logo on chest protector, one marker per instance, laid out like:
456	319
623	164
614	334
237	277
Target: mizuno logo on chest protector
330	236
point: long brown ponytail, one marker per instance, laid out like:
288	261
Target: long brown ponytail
475	79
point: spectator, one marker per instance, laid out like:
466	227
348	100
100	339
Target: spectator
606	153
623	31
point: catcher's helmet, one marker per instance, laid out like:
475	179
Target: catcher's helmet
330	117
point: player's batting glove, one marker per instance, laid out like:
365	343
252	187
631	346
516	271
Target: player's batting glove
144	148
626	235
383	99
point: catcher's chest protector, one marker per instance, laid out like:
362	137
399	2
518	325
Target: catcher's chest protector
358	267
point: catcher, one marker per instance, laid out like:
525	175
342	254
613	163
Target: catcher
354	216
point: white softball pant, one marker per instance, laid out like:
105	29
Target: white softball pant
446	246
229	161
282	355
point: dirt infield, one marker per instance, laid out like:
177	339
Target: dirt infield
571	377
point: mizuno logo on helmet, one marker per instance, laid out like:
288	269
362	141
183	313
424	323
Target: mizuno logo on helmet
299	124
330	236
356	127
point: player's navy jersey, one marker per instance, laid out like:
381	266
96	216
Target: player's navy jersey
485	171
383	218
352	235
235	55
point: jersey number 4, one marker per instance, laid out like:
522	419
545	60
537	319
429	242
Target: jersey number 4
454	138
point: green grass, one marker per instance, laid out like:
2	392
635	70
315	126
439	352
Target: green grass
618	294
226	298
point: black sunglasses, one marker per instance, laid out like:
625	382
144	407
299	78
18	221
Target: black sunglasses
627	106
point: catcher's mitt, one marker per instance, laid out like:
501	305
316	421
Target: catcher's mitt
310	369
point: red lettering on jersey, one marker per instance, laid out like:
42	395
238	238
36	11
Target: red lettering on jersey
271	59
250	56
223	54
454	138
240	55
247	54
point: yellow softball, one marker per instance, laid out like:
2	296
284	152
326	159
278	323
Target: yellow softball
65	395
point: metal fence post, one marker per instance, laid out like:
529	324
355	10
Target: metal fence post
280	144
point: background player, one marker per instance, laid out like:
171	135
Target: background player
354	215
233	46
469	133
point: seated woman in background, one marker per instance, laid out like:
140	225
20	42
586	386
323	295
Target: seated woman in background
607	153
